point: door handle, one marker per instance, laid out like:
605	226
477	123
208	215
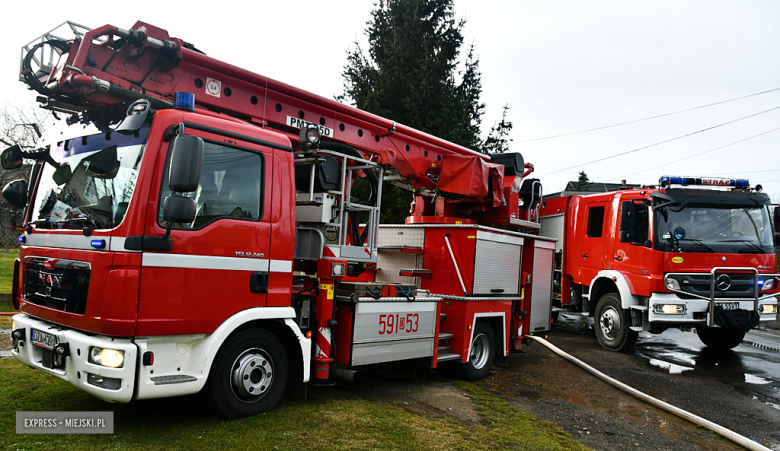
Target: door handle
618	258
585	255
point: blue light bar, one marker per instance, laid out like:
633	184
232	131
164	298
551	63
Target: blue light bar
705	181
98	244
184	101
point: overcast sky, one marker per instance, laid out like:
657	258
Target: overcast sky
561	66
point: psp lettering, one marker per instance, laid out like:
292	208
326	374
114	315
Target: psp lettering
300	123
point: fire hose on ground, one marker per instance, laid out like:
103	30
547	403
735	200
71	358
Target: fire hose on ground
695	419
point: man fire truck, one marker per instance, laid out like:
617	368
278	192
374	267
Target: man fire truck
686	253
209	240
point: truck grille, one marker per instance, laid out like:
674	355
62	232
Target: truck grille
740	285
56	283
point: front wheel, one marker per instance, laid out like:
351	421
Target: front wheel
720	338
613	324
248	376
482	353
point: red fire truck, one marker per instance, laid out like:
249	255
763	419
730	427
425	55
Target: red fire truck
680	254
193	228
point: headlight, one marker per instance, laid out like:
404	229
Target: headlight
768	308
669	309
106	357
672	284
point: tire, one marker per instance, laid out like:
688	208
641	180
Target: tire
482	353
613	324
720	338
248	376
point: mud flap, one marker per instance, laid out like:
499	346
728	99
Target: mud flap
736	319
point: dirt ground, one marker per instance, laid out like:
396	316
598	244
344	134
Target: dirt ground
599	415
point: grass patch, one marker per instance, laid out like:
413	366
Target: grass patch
5	321
7	270
330	419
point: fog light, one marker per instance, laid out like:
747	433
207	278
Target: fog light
669	309
106	357
110	383
672	284
768	308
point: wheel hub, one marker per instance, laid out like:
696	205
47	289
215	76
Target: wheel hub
252	375
610	323
480	349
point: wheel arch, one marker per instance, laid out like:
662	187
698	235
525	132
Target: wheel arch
497	321
611	281
277	321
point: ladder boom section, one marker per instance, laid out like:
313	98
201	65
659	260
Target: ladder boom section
111	64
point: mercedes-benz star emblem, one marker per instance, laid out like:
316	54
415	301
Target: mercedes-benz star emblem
723	282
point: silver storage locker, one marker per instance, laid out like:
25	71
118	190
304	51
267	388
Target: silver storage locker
497	264
541	280
408	335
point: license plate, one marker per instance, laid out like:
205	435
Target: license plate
729	305
43	339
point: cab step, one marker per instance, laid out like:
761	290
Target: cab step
636	328
174	379
447	356
642	308
445	336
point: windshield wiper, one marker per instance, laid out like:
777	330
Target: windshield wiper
82	219
699	242
753	246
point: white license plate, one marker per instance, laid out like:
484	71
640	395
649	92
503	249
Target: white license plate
43	339
729	305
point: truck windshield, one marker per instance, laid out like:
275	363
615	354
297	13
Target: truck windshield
708	229
89	179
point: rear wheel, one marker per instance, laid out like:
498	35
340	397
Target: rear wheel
613	324
482	353
248	376
720	338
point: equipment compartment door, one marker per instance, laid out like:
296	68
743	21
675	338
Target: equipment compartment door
221	260
541	286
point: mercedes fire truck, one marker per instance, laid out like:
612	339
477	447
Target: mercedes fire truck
690	252
192	227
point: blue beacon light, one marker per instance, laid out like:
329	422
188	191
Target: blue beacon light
98	244
184	101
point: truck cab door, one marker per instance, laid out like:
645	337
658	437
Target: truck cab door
632	245
592	218
219	263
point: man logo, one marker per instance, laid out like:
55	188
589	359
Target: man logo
723	282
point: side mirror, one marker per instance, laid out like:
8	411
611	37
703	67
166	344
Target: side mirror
11	158
186	163
16	193
179	209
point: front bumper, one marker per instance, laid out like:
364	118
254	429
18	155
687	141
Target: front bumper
76	368
698	310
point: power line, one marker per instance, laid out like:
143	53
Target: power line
663	142
698	154
647	118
